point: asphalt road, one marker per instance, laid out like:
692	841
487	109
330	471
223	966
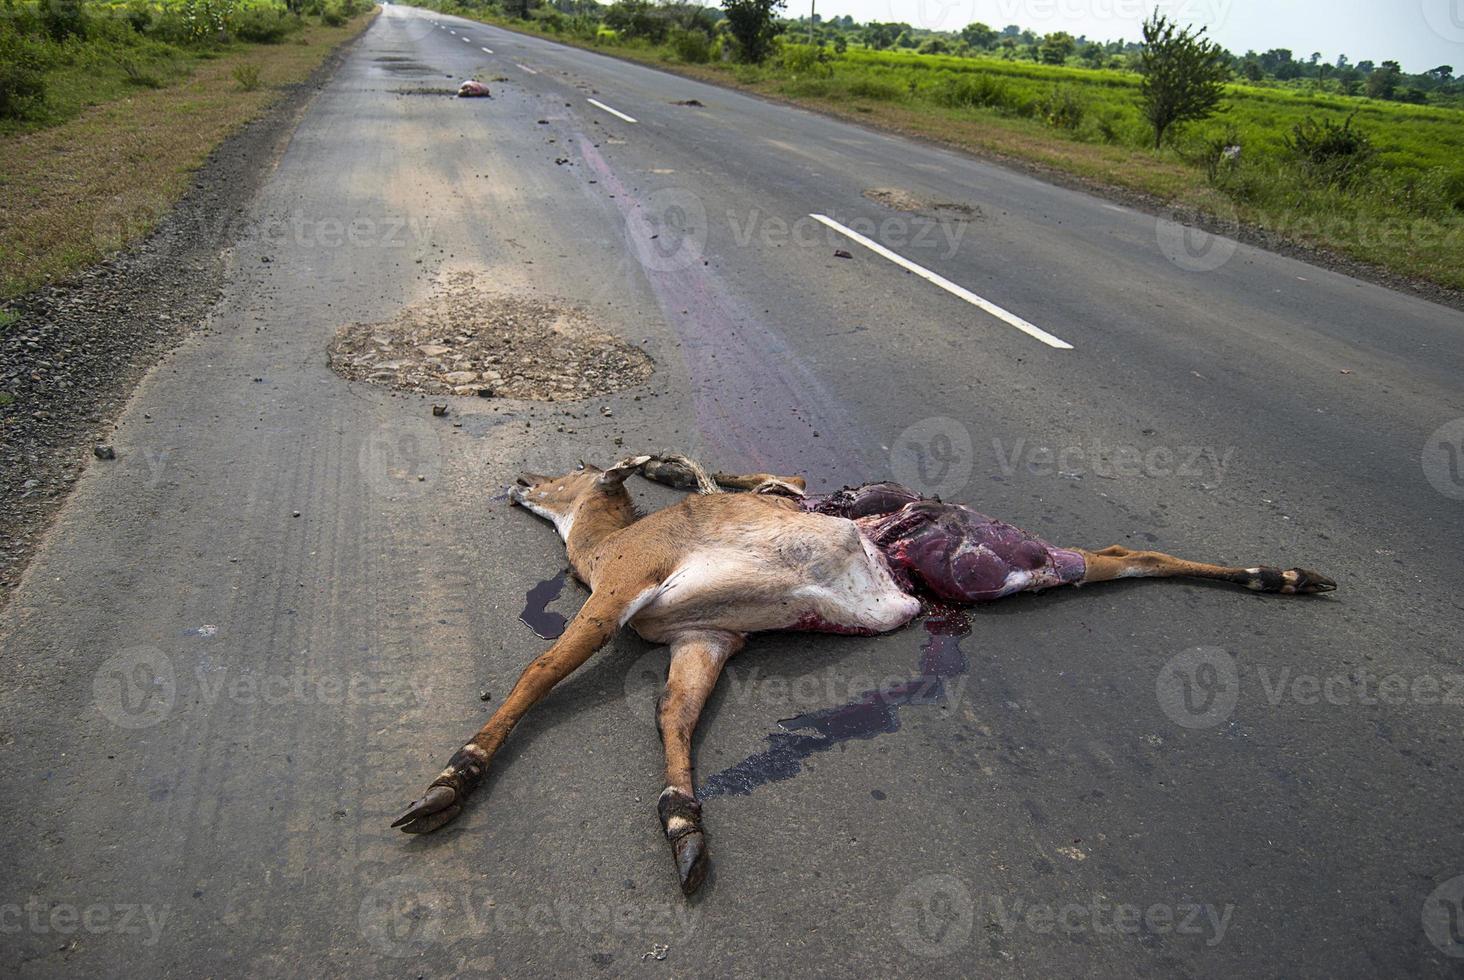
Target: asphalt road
211	709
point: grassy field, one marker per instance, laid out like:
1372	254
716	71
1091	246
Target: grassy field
1402	212
107	158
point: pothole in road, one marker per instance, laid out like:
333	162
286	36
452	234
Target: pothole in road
899	199
466	340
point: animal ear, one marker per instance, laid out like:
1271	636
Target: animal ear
617	474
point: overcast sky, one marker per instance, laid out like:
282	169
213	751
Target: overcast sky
1419	34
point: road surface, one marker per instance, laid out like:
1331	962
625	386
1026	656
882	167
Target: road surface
212	708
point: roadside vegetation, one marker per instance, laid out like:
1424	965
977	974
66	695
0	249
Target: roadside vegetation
1359	158
105	109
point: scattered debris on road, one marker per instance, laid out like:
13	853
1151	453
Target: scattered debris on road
840	253
657	951
104	451
688	102
438	411
473	89
467	340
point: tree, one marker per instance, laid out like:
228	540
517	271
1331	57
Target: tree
1057	47
751	23
1251	69
978	35
880	36
1383	82
1184	75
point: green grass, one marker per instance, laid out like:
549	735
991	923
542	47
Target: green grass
126	48
1406	216
73	189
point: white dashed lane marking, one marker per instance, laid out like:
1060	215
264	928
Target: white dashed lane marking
1030	329
614	112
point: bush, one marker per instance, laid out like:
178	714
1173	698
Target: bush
332	16
693	47
139	15
23	62
137	75
867	87
1062	108
805	59
1330	153
972	91
64	18
637	19
247	75
264	25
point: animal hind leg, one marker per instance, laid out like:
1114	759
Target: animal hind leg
1117	562
590	630
696	663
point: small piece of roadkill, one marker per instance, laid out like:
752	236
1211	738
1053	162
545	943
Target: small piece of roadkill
466	340
899	199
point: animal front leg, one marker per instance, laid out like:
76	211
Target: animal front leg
591	629
696	663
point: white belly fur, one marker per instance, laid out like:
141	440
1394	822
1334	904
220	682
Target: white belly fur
834	584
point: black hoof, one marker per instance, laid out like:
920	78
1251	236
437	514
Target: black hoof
436	808
1300	581
691	861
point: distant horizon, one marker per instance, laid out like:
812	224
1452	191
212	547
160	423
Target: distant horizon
1418	34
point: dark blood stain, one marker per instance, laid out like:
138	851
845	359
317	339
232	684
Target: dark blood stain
873	713
546	624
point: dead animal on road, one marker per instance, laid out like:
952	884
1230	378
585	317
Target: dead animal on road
472	89
703	574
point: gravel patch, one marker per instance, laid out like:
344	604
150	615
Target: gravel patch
467	340
899	199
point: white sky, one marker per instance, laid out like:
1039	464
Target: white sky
1419	34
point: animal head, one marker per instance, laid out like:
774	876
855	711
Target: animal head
563	499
